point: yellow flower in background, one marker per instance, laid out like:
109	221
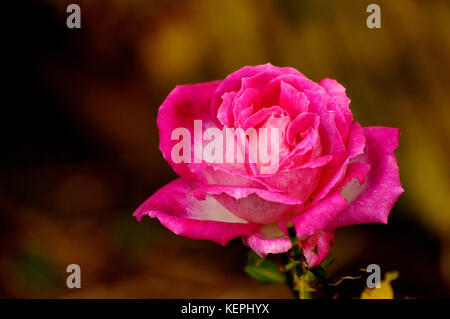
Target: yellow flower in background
385	291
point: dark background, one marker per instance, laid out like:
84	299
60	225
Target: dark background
79	143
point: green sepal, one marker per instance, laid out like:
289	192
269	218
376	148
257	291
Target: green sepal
263	270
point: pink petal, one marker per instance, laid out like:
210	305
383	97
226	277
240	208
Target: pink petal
339	103
259	81
337	92
382	185
316	247
252	204
265	144
225	112
313	91
263	246
177	209
182	106
356	170
240	192
299	182
216	174
243	115
300	124
233	82
318	216
292	100
310	143
261	115
355	147
247	99
332	143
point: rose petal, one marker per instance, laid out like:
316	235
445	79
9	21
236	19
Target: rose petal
382	185
227	175
313	91
258	117
225	112
266	149
339	102
252	204
177	209
316	247
298	182
337	92
318	216
182	106
292	100
355	147
356	170
233	82
300	124
269	240
241	192
308	149
244	105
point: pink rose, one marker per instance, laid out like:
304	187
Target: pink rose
331	172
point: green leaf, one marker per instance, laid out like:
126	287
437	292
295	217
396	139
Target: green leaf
263	270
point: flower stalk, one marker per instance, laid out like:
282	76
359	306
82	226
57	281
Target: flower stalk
300	278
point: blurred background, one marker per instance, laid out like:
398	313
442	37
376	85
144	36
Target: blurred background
79	142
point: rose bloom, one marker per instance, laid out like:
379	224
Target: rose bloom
331	173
